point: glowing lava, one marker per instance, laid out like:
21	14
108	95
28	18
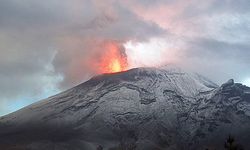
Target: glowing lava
115	66
113	60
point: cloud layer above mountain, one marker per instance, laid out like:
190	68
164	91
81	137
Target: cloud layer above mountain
51	45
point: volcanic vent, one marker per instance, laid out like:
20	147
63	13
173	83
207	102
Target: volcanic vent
113	60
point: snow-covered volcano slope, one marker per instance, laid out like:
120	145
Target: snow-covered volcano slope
140	109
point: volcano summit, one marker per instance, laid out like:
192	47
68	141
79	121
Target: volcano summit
139	109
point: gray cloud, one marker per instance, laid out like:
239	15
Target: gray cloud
51	44
211	37
42	42
84	42
218	60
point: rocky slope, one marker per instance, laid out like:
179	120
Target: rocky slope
140	109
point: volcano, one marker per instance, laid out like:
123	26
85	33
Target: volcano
138	109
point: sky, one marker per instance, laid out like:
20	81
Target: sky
52	45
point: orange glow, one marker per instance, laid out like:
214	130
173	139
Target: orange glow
113	60
115	66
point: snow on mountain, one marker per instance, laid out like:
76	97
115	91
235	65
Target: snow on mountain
143	108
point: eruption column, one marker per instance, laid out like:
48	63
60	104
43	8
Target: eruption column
113	60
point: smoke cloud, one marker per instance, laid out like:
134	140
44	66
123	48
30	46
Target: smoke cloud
51	45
